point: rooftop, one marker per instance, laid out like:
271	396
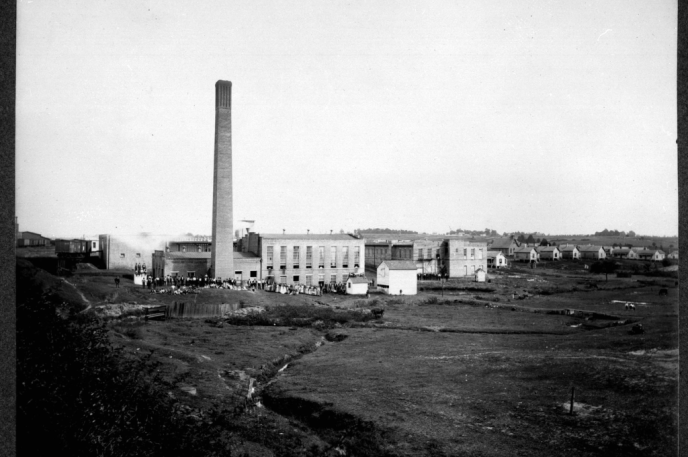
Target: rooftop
400	265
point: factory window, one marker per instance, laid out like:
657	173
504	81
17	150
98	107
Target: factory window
333	257
296	279
321	280
333	279
295	260
420	254
198	248
309	256
283	279
283	257
472	254
357	255
465	253
321	256
94	245
345	257
121	256
309	280
270	253
253	274
183	248
429	253
480	254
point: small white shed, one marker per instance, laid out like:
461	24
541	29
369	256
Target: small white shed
357	285
397	277
480	275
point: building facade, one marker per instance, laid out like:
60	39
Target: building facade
463	258
306	259
397	277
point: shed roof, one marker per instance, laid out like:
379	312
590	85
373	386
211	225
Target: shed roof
494	253
567	247
400	265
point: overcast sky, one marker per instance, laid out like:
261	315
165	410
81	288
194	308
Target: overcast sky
552	116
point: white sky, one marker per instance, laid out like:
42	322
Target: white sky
552	116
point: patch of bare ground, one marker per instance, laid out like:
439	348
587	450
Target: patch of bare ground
434	375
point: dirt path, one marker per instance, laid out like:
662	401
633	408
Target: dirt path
83	297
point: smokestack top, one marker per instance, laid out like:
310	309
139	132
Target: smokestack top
223	94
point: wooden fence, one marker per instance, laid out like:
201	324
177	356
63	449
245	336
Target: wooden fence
199	310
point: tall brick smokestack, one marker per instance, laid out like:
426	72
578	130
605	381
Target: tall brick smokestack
222	257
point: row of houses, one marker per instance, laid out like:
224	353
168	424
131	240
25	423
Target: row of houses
537	253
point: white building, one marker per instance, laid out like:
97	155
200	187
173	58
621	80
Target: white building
480	275
495	259
526	254
357	285
397	277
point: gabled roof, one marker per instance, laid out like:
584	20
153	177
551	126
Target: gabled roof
650	251
503	243
590	248
567	248
494	253
524	249
623	251
357	280
400	265
546	248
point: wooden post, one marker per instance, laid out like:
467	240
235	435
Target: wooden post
572	391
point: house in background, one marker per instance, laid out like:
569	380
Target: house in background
548	252
592	252
608	250
672	255
651	254
495	259
569	251
625	253
397	277
525	254
507	246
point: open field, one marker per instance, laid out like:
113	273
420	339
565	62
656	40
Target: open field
479	369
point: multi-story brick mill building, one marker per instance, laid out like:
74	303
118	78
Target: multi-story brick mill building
306	259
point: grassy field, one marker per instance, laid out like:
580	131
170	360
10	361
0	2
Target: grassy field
482	370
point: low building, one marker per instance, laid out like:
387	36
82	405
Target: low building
480	275
397	277
357	285
506	246
673	255
609	250
197	264
124	251
651	254
569	252
625	253
496	259
525	254
26	239
592	252
548	253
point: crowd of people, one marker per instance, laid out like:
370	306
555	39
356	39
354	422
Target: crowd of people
179	285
